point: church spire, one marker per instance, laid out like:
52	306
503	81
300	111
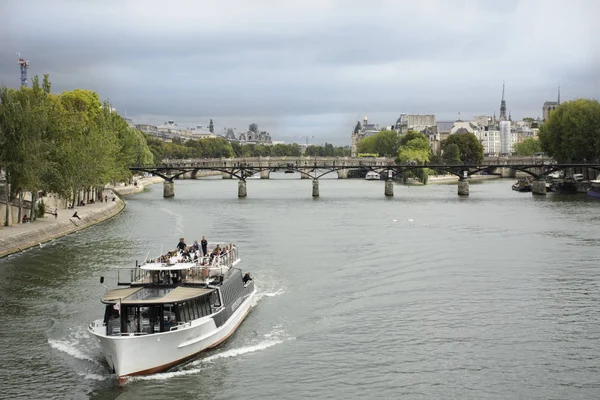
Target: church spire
559	95
503	105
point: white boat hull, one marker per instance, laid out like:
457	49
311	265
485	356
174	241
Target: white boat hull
147	354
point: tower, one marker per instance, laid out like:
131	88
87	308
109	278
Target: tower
559	95
503	105
24	65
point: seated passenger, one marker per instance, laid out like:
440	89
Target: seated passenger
247	278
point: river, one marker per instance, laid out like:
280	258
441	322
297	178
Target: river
422	296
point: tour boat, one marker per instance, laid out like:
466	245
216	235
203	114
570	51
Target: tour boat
523	185
594	190
372	176
173	308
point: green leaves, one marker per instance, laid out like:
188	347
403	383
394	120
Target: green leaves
64	143
527	147
469	147
385	143
572	132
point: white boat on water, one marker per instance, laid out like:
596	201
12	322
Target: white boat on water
173	308
373	176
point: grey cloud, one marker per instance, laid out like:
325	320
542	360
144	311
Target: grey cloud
286	62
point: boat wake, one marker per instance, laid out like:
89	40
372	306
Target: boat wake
73	345
70	348
178	221
275	337
259	295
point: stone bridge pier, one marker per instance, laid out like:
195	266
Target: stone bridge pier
342	173
315	188
538	186
226	175
265	173
389	184
168	189
242	188
304	175
463	186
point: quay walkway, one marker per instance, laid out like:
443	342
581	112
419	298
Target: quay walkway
18	237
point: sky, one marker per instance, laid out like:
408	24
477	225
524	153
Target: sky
308	68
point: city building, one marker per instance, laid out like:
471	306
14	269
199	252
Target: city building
415	122
360	132
253	136
505	138
199	133
550	106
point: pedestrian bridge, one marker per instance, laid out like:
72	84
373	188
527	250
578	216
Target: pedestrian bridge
316	167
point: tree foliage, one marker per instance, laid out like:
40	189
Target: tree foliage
572	132
527	147
451	154
470	148
414	149
328	150
220	147
64	143
385	143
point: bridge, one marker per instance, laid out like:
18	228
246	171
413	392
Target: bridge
316	167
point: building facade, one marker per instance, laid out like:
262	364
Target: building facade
360	132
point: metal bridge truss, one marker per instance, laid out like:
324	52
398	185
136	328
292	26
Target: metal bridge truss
241	170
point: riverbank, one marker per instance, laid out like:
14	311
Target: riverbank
16	238
137	187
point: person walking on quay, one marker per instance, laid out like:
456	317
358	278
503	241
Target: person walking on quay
76	216
55	212
204	245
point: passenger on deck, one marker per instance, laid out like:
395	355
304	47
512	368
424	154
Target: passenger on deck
196	246
181	245
214	253
114	325
247	278
204	245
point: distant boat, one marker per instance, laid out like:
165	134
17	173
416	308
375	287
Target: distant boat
594	189
522	185
289	171
372	176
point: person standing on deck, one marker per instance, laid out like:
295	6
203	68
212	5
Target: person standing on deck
204	245
181	245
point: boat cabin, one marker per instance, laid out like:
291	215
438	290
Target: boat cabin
148	310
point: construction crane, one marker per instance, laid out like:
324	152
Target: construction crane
304	137
24	65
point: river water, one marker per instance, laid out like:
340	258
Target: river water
422	296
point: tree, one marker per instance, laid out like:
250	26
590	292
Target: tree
470	148
527	147
451	154
572	132
385	143
414	149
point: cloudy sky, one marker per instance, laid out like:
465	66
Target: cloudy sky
310	67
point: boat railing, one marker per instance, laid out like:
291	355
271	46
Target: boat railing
203	267
135	275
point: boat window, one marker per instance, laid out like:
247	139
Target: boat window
215	301
169	317
193	310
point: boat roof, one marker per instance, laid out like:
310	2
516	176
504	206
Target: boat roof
145	295
118	294
166	267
